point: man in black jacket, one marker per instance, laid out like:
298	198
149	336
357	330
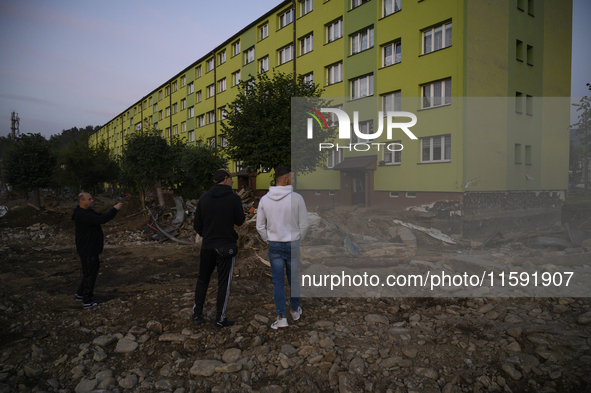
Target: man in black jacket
89	244
218	210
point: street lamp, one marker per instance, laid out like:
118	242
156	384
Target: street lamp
585	157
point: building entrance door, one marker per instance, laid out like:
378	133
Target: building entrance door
358	188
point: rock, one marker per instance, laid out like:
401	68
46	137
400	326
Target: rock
99	356
410	352
390	362
163	384
326	343
514	347
510	370
486	308
128	382
324	324
548	241
261	318
172	337
107	383
86	386
54	383
204	368
229	368
510	318
105	340
32	372
272	389
373	318
515	332
357	366
154	326
166	370
427	372
126	346
231	355
584	319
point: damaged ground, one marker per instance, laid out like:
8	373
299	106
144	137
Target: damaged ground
141	338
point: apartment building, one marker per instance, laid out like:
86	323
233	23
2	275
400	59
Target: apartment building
488	82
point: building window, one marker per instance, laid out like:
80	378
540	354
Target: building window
174	86
365	127
190	88
238	166
411	194
184	127
332	117
436	149
167	91
191	112
334	157
168	112
175	108
183	81
334	31
249	56
436	93
236	48
391	6
518	102
200	120
527	155
305	7
518	153
530	7
306	44
391	54
362	40
521	5
285	54
263	31
519	50
211	142
394	194
362	87
209	65
438	37
222	113
149	103
155	108
175	129
160	115
160	95
235	78
392	157
391	102
222	85
223	141
309	78
285	18
191	136
199	96
210	117
210	90
183	104
198	72
264	64
222	57
529	105
357	3
334	73
530	55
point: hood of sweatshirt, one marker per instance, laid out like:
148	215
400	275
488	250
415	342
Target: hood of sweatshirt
220	190
279	192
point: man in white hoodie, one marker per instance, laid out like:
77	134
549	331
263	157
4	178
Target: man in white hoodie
282	221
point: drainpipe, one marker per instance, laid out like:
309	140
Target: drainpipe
215	101
294	38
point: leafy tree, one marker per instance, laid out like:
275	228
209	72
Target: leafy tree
258	124
197	164
5	144
86	168
148	159
61	141
583	126
30	165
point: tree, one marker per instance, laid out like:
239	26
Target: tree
61	141
259	125
147	159
584	129
85	168
30	165
197	165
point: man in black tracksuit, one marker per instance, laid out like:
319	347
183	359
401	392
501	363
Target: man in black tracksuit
218	210
89	244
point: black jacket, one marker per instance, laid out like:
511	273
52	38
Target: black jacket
218	210
89	234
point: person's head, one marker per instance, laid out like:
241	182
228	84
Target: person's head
85	201
222	176
283	176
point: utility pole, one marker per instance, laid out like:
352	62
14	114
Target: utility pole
14	126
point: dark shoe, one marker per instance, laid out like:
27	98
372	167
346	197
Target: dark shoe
91	304
198	319
222	324
78	298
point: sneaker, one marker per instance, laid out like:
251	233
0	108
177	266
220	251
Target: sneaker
198	319
78	298
91	304
280	324
222	324
296	315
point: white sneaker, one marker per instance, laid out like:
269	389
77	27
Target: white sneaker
280	324
296	315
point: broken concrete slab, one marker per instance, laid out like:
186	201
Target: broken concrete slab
405	235
549	241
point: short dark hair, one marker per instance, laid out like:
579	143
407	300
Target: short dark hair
281	171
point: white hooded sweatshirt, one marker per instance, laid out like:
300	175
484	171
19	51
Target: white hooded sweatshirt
282	215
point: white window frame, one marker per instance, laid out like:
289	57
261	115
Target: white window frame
201	120
222	85
434	142
184	127
249	55
431	44
334	157
334	73
236	48
183	104
391	157
334	30
199	96
210	90
285	54
285	18
190	88
191	112
392	102
263	31
362	40
390	7
236	78
434	94
309	78
175	129
395	56
222	57
306	44
155	108
209	65
183	82
365	127
191	136
175	108
306	6
360	88
357	3
222	112
210	117
167	112
264	64
211	142
174	86
223	141
198	72
333	118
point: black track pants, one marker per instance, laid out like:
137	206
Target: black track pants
90	269
210	260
